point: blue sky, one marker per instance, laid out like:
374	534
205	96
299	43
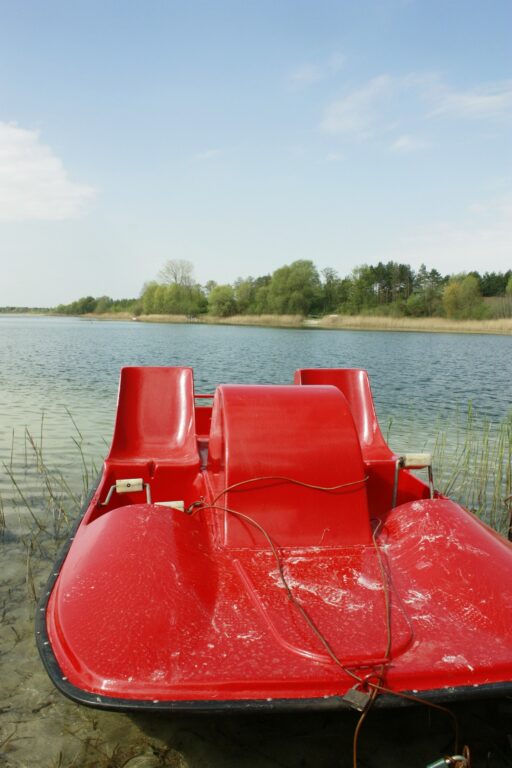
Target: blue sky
243	136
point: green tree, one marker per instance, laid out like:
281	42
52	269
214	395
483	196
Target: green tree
425	300
462	298
333	290
360	290
103	304
160	300
148	298
452	298
295	289
244	294
221	301
471	297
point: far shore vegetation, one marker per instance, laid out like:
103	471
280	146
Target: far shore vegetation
386	296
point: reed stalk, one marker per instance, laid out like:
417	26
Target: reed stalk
2	515
29	575
477	469
12	448
24	499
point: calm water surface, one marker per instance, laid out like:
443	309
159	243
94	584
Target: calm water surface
52	365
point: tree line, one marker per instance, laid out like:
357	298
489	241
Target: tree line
300	288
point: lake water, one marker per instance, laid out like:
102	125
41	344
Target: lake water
53	367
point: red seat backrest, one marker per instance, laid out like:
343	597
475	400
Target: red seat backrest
355	385
155	417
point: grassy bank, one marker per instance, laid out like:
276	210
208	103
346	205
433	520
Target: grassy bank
271	321
343	322
421	324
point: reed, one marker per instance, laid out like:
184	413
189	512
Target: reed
51	499
418	324
271	321
2	516
473	465
23	498
502	325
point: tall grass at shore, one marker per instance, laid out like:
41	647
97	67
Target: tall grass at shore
58	498
418	324
500	326
472	465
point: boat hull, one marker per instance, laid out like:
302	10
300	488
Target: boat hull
272	558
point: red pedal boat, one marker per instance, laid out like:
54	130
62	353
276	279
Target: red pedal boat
269	551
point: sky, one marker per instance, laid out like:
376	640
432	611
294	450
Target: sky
242	136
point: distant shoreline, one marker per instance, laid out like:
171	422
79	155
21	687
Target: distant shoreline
502	327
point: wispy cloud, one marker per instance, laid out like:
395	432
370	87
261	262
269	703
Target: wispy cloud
34	184
305	75
334	157
406	143
312	72
388	102
207	154
486	101
359	111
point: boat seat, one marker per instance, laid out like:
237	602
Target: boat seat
355	385
155	419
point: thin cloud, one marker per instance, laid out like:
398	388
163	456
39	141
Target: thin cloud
207	154
313	72
406	144
487	101
334	157
388	102
34	185
305	75
358	112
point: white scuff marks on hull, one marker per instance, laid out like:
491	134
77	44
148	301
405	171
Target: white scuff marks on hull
463	545
430	538
329	594
458	660
415	598
251	635
364	581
